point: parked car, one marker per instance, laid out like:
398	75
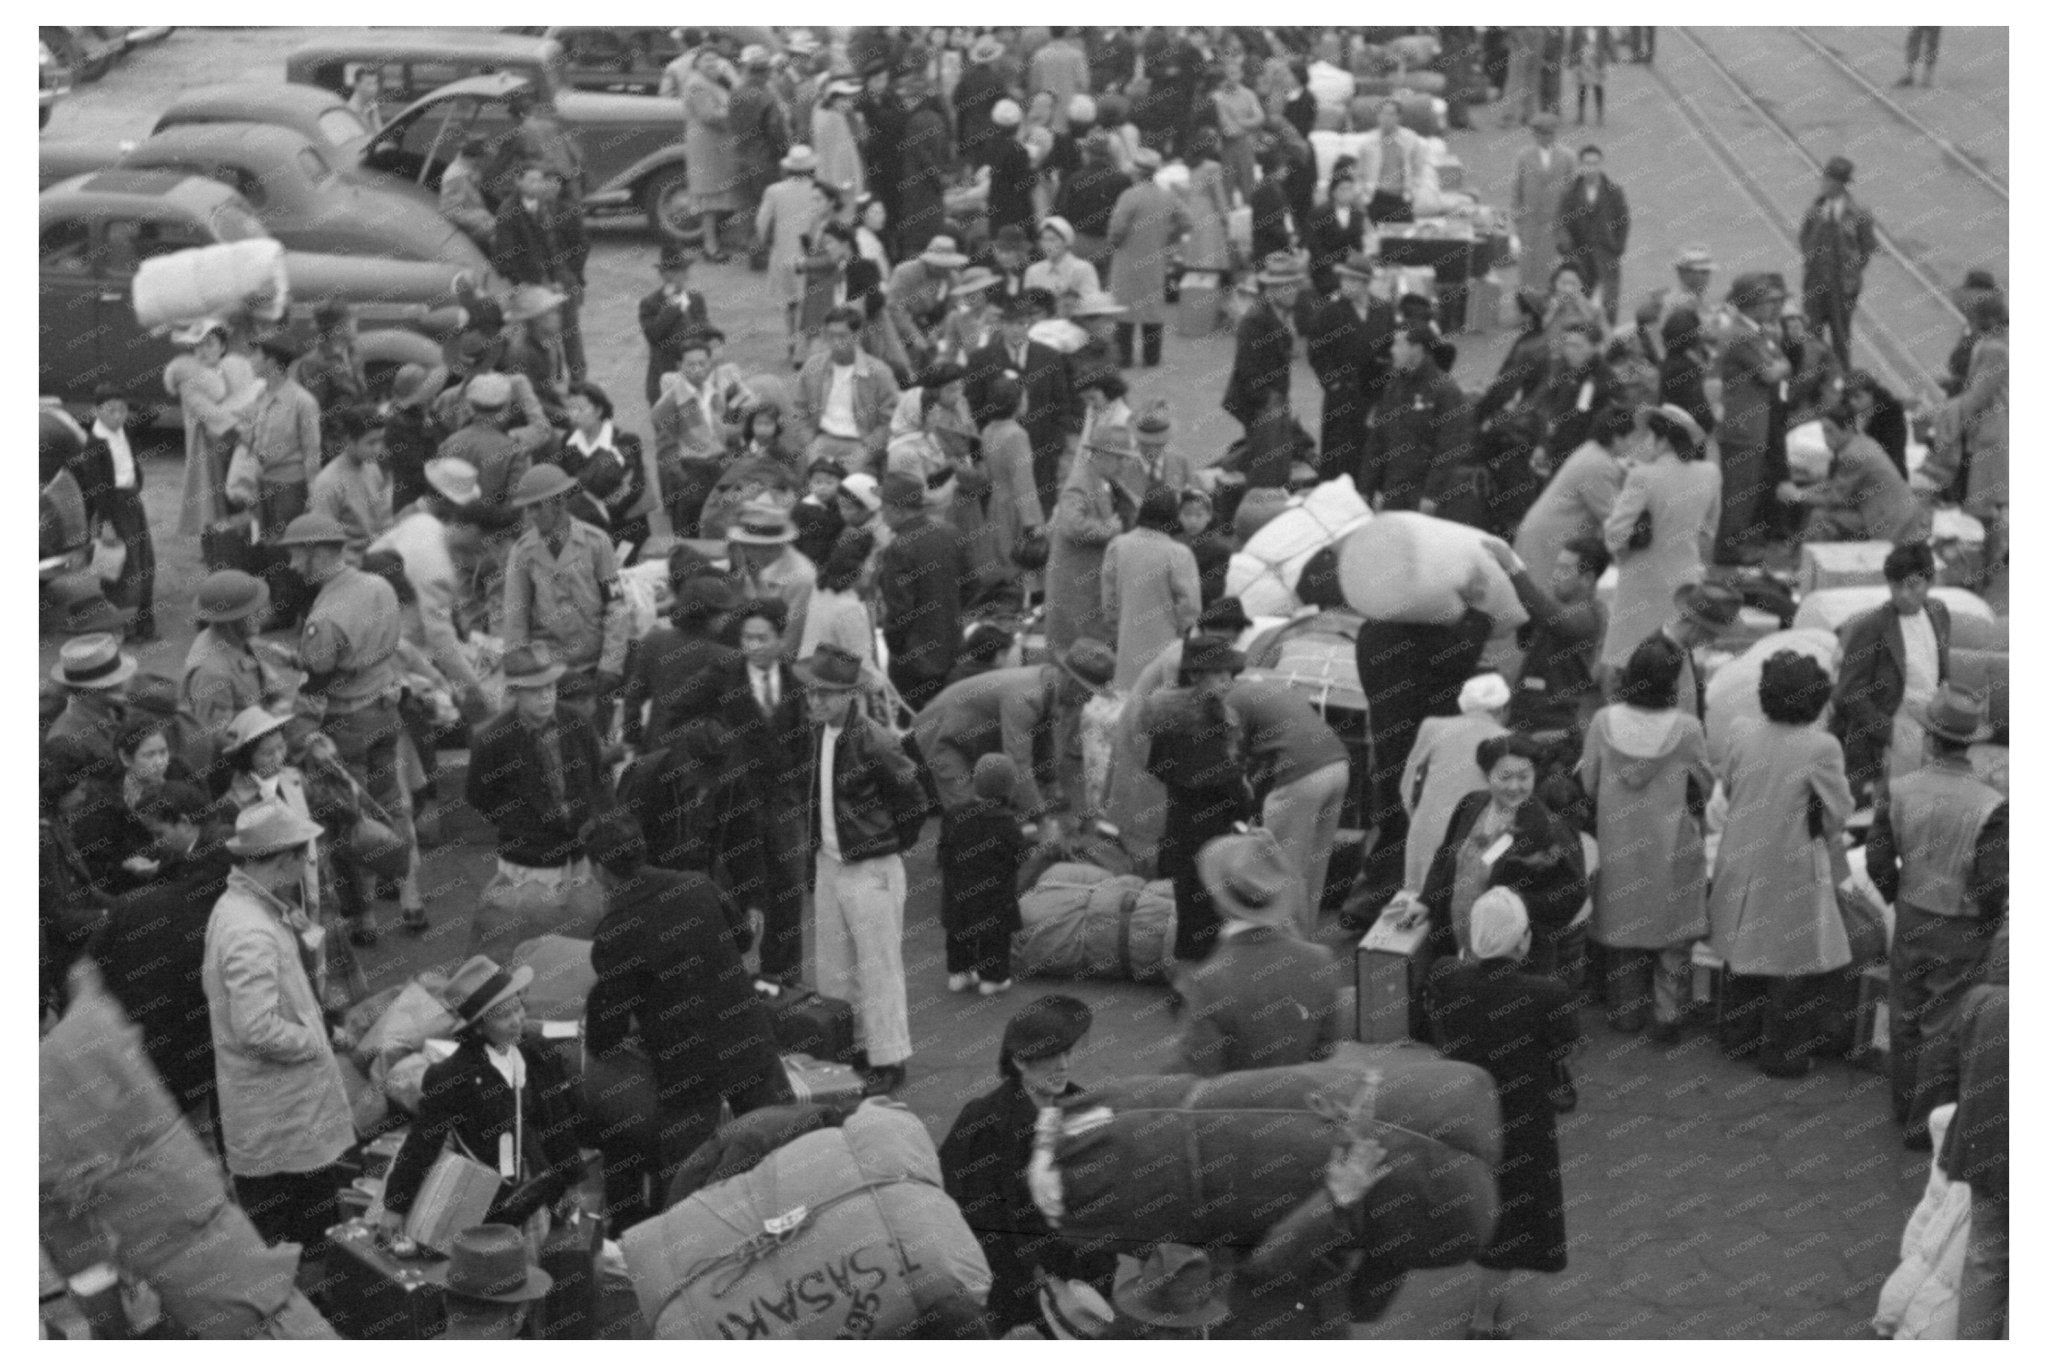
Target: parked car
87	53
93	232
632	145
621	60
413	62
320	116
54	84
292	185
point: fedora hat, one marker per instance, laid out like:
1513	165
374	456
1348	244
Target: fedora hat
93	663
269	828
1953	714
1174	1286
81	606
943	253
1211	654
762	521
480	984
454	479
1754	288
830	669
230	595
800	160
1839	169
1074	1311
252	724
313	528
409	387
1249	877
704	596
532	666
986	49
1357	266
974	281
1694	257
903	491
488	1262
541	483
1282	268
1097	304
1156	420
1090	663
1713	605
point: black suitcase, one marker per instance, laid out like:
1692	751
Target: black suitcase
230	543
569	1255
805	1022
371	1295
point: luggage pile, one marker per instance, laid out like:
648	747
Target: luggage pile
1263	575
844	1233
1081	921
1220	1161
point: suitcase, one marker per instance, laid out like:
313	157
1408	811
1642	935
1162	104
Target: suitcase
1841	564
372	1296
1385	969
230	543
822	1083
569	1255
819	1026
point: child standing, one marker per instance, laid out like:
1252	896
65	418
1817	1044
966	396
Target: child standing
980	851
817	517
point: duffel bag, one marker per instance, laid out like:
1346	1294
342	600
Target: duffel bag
844	1233
208	281
562	976
1219	1161
1405	566
1081	922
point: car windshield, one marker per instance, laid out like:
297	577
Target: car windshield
341	127
233	223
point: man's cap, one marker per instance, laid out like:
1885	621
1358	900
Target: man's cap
313	528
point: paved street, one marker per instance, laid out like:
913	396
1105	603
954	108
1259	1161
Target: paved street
1707	1201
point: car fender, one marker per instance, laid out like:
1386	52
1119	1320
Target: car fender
394	346
634	175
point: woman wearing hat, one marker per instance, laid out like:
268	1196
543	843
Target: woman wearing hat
985	1153
1488	1008
836	140
710	144
1774	915
1098	503
213	388
494	1100
791	209
1442	769
1060	272
1660	530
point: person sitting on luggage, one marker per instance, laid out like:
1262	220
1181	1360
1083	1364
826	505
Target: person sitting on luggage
1264	997
489	1284
981	848
986	1152
494	1100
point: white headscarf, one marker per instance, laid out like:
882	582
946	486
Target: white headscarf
1499	923
1482	693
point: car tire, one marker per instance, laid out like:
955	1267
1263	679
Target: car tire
665	196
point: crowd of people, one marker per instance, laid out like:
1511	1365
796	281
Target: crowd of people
969	237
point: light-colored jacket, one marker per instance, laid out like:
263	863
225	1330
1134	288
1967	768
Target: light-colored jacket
1414	161
1151	596
1773	907
1147	220
282	1106
421	540
874	400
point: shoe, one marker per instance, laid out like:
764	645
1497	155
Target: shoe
413	921
143	635
961	981
362	936
884	1080
995	988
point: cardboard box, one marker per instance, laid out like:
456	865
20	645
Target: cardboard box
1841	564
1384	965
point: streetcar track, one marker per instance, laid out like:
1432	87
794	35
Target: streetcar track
1988	178
1894	355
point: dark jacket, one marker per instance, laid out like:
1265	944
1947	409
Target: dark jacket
665	664
817	529
975	97
93	467
411	439
152	952
876	796
1561	644
1263	998
1052	409
665	322
1329	242
1349	356
1261	370
507	788
1594	233
1269	206
1519	1027
767	752
1977	1148
1418	437
1567	422
667	958
1872	685
1011	178
1410	672
980	851
465	1097
923	576
547	248
1682	382
1545	865
1834	252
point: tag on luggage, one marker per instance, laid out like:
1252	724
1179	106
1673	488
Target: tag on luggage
1496	849
508	1167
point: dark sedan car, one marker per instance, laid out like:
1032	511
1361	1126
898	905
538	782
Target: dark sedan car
294	186
94	231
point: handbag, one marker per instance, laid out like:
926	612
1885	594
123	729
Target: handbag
456	1195
109	556
244	477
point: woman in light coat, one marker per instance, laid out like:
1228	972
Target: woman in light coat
1773	912
1443	769
212	387
1580	495
1645	766
1680	495
1208	207
1147	221
709	144
837	142
1014	511
1097	504
1151	590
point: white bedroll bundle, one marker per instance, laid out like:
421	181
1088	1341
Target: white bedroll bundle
1264	574
843	1233
212	281
1408	567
